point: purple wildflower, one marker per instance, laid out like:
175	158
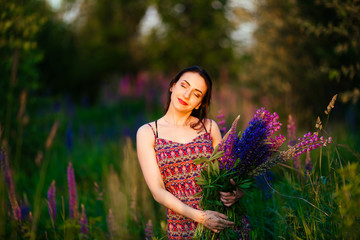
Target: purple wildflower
275	143
84	221
98	191
221	122
125	86
309	142
9	183
149	230
52	201
227	144
25	210
257	143
271	120
251	148
73	204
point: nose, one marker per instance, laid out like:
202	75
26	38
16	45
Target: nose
186	94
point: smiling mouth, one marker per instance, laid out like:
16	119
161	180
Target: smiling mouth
182	102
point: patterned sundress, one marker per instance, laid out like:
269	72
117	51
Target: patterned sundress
178	171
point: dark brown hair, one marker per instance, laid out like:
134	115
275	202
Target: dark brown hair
202	112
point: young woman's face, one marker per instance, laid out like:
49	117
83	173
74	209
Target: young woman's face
188	91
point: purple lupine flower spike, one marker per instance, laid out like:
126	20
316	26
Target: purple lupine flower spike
52	201
5	169
73	203
309	142
25	209
228	160
221	122
257	144
149	230
84	221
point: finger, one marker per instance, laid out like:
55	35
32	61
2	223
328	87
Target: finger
225	193
232	182
227	223
221	215
230	197
215	230
238	193
221	225
227	204
223	220
228	201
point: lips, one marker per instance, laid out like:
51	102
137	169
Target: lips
182	102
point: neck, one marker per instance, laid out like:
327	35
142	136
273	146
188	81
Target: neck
176	118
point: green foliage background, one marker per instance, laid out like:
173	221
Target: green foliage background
95	75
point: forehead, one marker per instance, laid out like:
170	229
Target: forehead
195	80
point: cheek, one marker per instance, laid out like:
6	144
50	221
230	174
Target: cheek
176	89
198	102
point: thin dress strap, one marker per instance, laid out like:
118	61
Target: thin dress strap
205	127
155	134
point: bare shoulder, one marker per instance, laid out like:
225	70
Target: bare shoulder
214	130
145	132
211	125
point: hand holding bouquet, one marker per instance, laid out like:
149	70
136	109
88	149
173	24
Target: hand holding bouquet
241	158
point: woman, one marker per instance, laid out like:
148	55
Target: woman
167	147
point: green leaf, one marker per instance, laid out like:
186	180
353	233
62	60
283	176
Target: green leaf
218	203
200	160
216	167
217	155
239	134
215	150
245	183
198	194
200	181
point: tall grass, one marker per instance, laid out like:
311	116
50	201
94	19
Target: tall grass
106	172
321	204
296	203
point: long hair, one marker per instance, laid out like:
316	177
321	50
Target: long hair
202	112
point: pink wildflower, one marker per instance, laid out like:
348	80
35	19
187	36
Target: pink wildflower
84	221
73	203
52	201
5	169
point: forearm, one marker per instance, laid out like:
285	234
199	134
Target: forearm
168	200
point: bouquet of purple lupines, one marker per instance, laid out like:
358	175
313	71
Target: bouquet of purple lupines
242	157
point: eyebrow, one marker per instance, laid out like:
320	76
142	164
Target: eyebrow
195	88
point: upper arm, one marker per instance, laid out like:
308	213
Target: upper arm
147	158
215	133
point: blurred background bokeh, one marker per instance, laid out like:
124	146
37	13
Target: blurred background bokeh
79	77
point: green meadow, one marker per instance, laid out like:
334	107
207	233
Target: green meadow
78	78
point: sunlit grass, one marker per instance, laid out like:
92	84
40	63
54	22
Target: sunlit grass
320	204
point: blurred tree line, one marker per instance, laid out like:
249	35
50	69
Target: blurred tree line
103	39
303	51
